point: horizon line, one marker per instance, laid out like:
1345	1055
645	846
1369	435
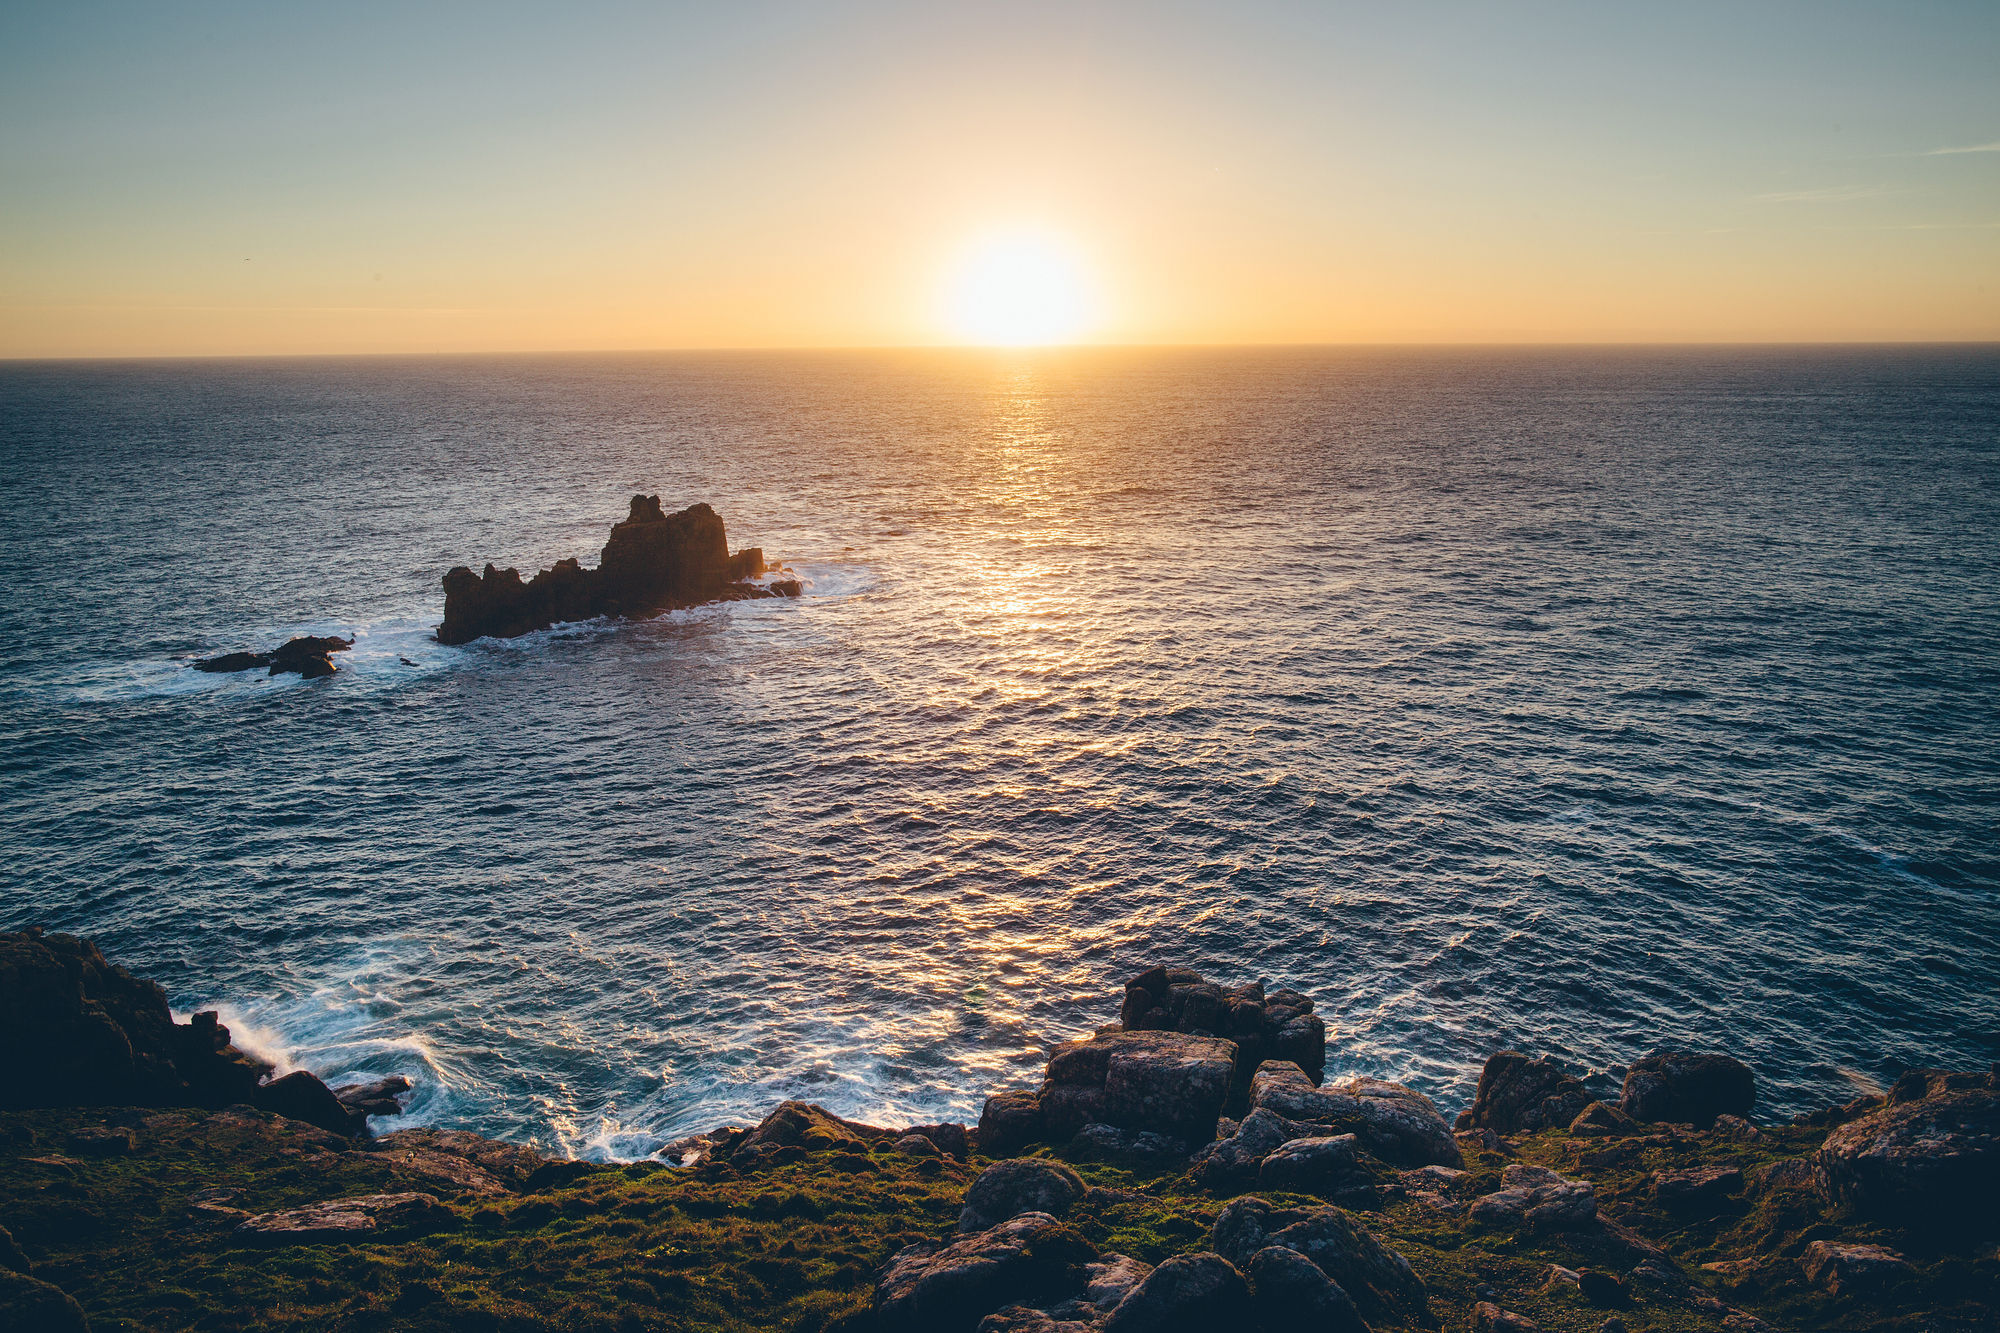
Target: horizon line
742	348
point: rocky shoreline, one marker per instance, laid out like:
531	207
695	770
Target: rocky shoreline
1189	1167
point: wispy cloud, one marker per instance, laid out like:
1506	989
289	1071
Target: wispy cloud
1993	147
1831	194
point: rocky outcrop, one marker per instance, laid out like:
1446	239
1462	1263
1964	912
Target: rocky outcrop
1280	1026
1519	1095
81	1031
1377	1279
1167	1083
308	655
1396	1123
1186	1292
1688	1087
1932	1151
653	562
937	1287
1852	1269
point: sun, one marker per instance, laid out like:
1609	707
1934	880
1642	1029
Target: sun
1018	289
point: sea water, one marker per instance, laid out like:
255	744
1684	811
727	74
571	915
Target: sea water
1577	701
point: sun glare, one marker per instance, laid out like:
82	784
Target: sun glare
1018	290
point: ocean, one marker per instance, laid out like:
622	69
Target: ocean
1582	701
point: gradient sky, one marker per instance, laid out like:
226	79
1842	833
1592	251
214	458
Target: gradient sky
197	178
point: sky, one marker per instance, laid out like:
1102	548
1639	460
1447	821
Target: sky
209	179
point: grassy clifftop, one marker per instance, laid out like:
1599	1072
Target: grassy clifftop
140	1225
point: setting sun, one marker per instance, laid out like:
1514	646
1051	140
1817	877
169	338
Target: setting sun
1018	289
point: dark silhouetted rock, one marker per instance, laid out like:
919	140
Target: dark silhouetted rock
1688	1088
308	655
1602	1289
232	662
1930	1152
80	1031
301	1096
1396	1123
1518	1095
653	562
1019	1185
1189	1293
949	1287
1169	1083
1288	1291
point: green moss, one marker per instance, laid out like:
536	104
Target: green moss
796	1246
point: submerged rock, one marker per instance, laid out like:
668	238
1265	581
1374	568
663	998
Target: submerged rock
654	561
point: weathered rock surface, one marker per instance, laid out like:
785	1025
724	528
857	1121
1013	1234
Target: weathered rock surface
1702	1189
1289	1291
308	655
1329	1167
1280	1026
81	1031
1518	1095
1688	1087
301	1096
1396	1123
1169	1083
795	1128
470	1164
359	1218
1009	1122
1537	1199
1380	1281
1490	1318
1851	1269
1019	1185
1932	1150
941	1287
1189	1293
1603	1118
1140	1147
654	561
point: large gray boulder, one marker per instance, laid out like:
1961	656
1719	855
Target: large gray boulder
1520	1095
949	1287
1931	1152
1189	1293
1019	1185
1380	1281
1166	1082
1235	1158
1288	1291
1329	1167
1396	1123
1688	1087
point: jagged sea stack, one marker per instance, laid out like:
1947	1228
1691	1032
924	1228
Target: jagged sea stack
654	562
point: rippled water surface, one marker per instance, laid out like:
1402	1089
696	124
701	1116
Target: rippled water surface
1575	700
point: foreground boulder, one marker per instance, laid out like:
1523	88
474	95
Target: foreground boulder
1396	1123
1280	1026
1019	1185
653	562
1519	1095
1167	1083
1534	1198
1185	1294
308	655
1930	1153
949	1287
1377	1279
1688	1088
29	1305
358	1218
1846	1269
